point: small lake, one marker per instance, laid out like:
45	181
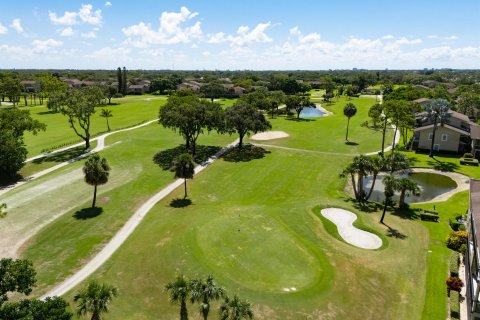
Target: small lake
311	112
431	185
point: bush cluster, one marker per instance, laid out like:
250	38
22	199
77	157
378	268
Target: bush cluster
457	240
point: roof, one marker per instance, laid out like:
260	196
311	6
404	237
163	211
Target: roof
446	125
459	115
475	205
136	86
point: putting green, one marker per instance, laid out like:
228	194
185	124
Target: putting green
235	238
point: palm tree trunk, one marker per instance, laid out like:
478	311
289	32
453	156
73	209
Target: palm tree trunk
183	311
373	185
185	187
94	196
394	135
384	210
348	124
360	185
383	135
401	201
354	186
96	316
108	125
433	138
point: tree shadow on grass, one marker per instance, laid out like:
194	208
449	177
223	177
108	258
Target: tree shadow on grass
165	158
351	143
87	213
442	166
394	233
406	213
365	206
62	156
180	202
247	153
300	119
46	112
8	181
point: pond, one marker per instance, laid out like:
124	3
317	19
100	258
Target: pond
431	185
310	112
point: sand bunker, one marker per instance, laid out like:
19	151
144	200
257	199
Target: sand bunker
269	135
344	220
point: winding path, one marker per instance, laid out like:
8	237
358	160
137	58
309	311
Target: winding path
125	232
100	146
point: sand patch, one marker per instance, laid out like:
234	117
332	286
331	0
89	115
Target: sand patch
269	135
344	219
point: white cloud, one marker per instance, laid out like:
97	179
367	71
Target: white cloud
450	38
3	29
432	36
17	25
244	35
388	37
87	15
108	4
169	32
68	18
67	32
42	46
89	35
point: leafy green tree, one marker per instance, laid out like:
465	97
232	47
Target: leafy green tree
119	80
401	116
440	92
275	99
110	92
390	183
397	161
16	276
387	88
12	88
405	186
213	90
52	308
18	121
184	168
258	99
469	104
124	82
78	106
96	172
349	111
243	119
161	85
375	113
438	113
204	292
298	103
179	292
191	116
106	113
94	299
236	309
52	87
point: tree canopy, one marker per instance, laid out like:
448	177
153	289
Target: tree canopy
16	276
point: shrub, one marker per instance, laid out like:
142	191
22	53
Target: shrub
454	264
454	284
455	305
364	124
468	155
454	224
456	239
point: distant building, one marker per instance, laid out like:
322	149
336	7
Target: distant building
137	89
31	86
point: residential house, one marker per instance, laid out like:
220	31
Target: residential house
137	89
31	86
74	83
457	136
238	91
472	259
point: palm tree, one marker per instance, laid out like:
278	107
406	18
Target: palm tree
362	165
351	171
106	114
204	292
390	183
397	161
184	168
377	164
96	172
3	213
405	185
235	309
437	112
349	111
94	299
179	291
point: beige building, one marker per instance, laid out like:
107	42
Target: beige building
457	136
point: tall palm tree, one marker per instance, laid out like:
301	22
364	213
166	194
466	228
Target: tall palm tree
96	172
204	292
390	183
349	111
397	161
236	309
105	113
377	165
184	168
351	171
362	165
405	185
3	213
94	299
437	112
179	291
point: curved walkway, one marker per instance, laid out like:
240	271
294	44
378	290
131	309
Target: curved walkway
100	146
344	219
125	232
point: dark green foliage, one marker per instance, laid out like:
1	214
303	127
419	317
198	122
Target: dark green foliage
94	299
179	292
203	292
96	172
184	168
49	309
349	111
213	91
244	118
18	121
456	239
16	276
454	263
298	103
236	309
12	154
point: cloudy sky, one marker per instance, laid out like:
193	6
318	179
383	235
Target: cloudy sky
247	34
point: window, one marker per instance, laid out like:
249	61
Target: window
436	147
444	137
429	136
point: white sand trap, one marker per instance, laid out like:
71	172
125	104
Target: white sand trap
344	220
269	135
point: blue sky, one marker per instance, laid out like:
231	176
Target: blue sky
235	35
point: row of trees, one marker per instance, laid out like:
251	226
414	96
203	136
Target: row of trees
19	276
204	292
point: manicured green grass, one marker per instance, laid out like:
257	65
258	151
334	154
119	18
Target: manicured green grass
127	111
